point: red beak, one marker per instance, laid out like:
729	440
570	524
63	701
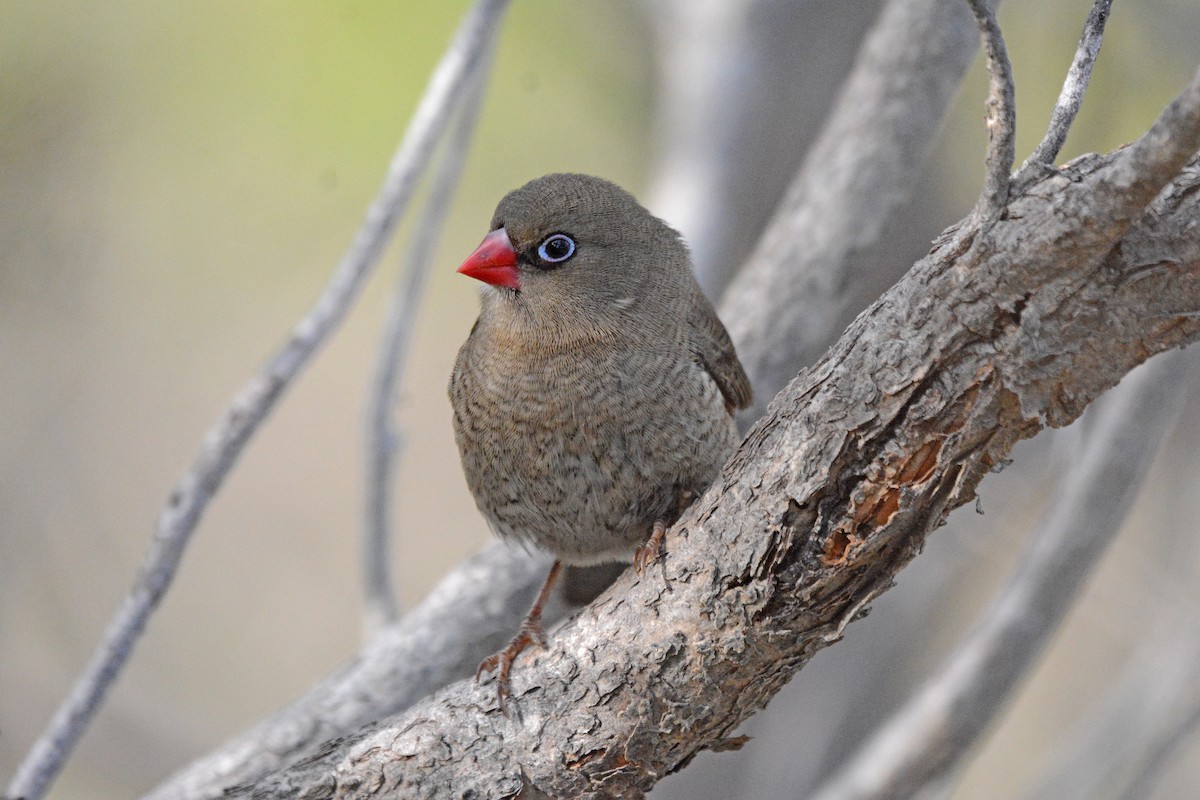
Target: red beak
494	261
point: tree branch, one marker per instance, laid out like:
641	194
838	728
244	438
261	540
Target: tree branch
1071	96
830	495
467	616
731	121
709	68
1001	117
1163	748
227	438
383	441
923	742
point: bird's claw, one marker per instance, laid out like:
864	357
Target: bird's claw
649	552
502	662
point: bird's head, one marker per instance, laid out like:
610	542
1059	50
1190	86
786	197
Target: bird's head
569	246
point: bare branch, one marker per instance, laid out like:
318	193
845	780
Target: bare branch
1171	141
906	75
925	740
470	614
383	441
229	435
826	500
1071	96
313	710
1001	117
707	72
809	262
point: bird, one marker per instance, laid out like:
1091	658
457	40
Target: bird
594	398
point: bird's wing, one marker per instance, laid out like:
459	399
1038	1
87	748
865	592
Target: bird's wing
711	343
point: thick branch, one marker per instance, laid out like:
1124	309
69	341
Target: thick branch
923	741
1157	154
862	170
731	121
826	500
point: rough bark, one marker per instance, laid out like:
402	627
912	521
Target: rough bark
1017	328
919	746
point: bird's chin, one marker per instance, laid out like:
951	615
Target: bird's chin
503	292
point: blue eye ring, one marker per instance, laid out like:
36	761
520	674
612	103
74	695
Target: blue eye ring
556	248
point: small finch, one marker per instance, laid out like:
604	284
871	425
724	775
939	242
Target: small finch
594	398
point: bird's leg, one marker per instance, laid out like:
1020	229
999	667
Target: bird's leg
646	553
530	632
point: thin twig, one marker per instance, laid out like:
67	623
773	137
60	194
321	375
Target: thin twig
1001	117
1071	96
924	740
383	440
237	424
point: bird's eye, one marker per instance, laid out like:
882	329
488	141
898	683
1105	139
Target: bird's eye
556	249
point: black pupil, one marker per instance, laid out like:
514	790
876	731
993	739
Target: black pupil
557	247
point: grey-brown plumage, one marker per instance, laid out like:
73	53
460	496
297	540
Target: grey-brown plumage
594	396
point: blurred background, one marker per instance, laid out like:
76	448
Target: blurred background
177	181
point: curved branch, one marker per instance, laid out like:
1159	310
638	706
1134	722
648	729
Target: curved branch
1001	117
383	441
1120	747
225	441
1165	745
830	495
923	741
1126	742
731	122
710	65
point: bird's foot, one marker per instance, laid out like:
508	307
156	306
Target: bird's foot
647	553
531	633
